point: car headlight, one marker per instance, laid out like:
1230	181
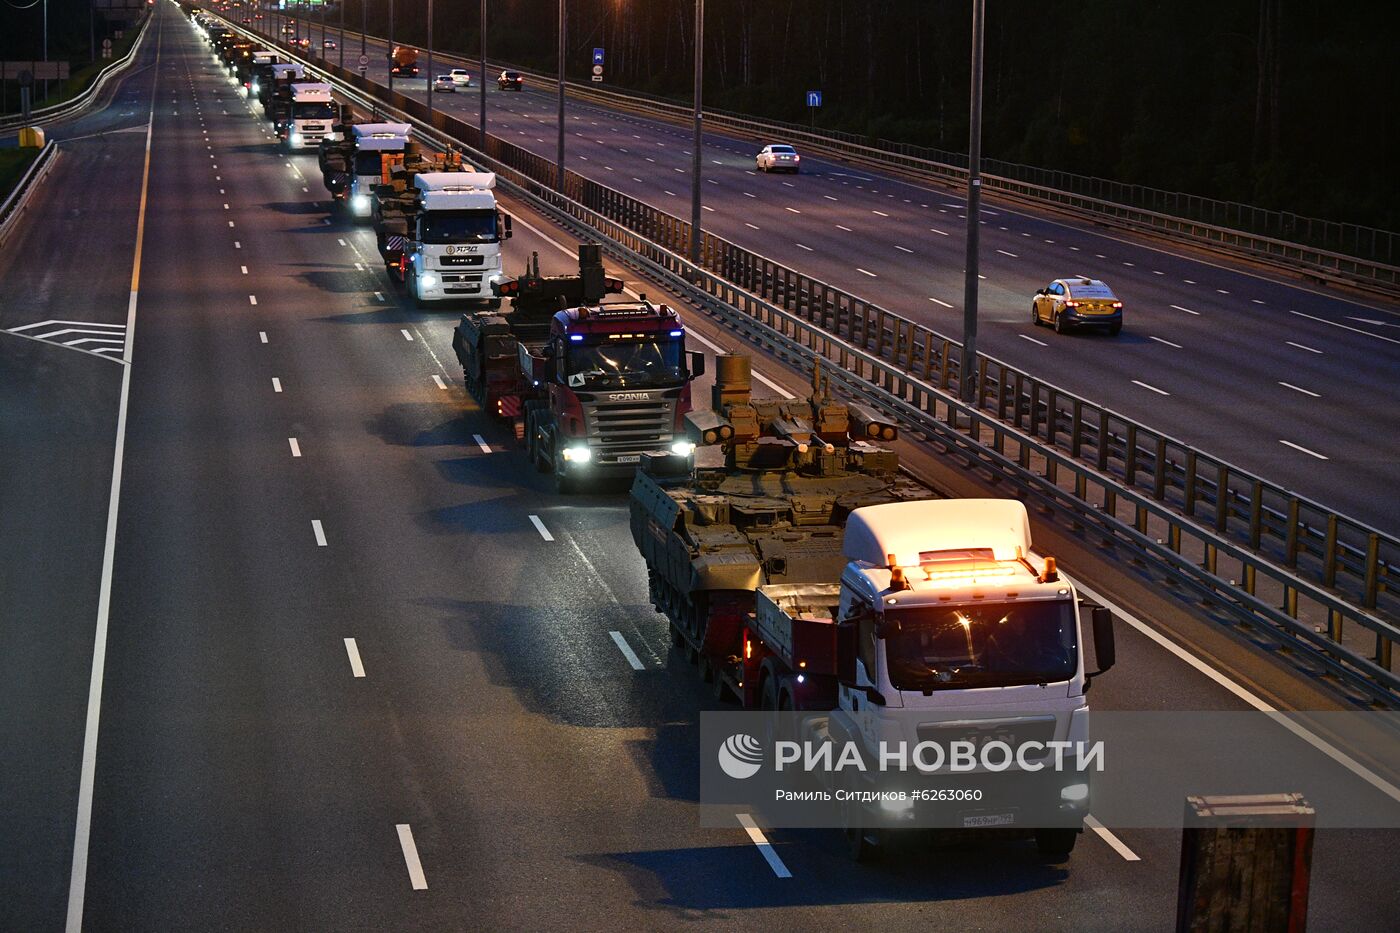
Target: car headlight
428	280
360	204
578	454
682	448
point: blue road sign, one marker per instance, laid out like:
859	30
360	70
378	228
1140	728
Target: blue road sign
814	98
597	56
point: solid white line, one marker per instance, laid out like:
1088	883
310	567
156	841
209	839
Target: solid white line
276	384
296	447
1033	340
1301	347
539	526
765	847
438	380
1187	310
1322	745
1167	342
262	336
1310	453
406	334
356	666
481	442
627	651
938	302
82	830
1355	330
1153	388
1116	844
319	532
1289	385
410	857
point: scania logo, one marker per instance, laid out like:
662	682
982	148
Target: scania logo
629	397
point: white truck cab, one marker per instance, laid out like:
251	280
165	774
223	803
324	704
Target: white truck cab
313	115
456	237
373	141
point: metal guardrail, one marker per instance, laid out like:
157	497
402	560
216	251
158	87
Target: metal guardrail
1316	247
1315	583
82	99
14	204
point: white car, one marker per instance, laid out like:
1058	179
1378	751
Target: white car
777	158
461	77
444	83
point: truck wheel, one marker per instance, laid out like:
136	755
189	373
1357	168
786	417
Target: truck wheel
1056	844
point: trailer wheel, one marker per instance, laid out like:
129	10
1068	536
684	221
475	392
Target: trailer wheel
1056	844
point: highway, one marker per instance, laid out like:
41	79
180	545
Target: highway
361	665
1293	382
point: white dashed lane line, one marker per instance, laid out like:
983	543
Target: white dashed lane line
357	667
1167	342
539	526
1289	385
1151	388
1033	340
1302	347
1299	447
627	651
1187	310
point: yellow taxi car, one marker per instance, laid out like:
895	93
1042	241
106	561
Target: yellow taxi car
1077	302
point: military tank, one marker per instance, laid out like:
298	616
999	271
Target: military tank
766	501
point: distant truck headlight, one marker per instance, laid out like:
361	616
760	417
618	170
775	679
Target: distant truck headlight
360	204
578	454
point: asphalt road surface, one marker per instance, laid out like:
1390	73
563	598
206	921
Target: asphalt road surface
360	665
1294	382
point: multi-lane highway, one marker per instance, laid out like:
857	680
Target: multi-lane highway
1290	381
360	668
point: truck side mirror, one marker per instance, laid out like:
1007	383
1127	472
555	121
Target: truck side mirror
696	363
1104	651
846	646
509	231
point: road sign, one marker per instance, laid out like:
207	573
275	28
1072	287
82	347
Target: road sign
598	79
41	71
364	60
597	56
814	98
106	43
597	69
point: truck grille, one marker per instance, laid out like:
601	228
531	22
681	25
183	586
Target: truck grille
460	260
629	426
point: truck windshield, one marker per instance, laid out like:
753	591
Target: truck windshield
368	163
458	226
986	645
313	111
626	363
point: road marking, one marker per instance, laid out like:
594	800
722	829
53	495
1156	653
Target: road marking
847	229
342	242
806	247
1355	330
276	384
252	299
1167	342
937	231
438	380
752	226
1310	453
1075	248
707	208
539	526
481	442
871	274
1301	347
830	198
627	651
765	847
747	195
243	269
792	210
296	447
225	207
1222	291
1256	301
1188	281
904	249
1153	388
82	830
1187	310
230	223
319	531
237	245
671	193
357	667
1005	253
940	302
1126	264
262	336
879	213
406	334
379	295
1114	843
410	857
1033	340
1289	385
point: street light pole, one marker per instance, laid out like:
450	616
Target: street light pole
483	77
364	24
966	371
429	82
563	18
391	44
341	43
695	232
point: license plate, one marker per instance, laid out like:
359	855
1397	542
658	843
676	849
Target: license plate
989	819
629	458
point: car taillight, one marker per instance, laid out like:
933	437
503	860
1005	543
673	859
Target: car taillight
1071	304
1118	304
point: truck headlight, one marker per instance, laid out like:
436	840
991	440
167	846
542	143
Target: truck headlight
898	807
682	448
578	454
1074	793
296	140
428	280
360	204
255	87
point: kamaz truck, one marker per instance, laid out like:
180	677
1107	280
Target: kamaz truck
358	160
313	113
942	627
589	385
274	88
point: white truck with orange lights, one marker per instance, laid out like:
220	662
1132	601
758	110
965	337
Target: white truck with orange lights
313	113
941	608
